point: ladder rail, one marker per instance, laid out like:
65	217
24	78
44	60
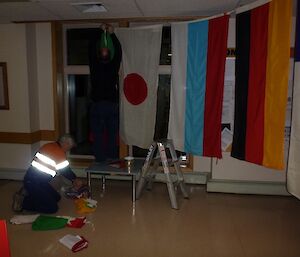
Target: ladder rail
179	172
145	170
170	185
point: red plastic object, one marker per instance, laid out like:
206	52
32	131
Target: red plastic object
4	244
77	222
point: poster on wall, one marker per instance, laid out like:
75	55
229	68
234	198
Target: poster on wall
290	95
288	116
228	104
228	97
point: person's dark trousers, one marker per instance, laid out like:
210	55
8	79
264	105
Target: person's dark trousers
104	116
41	197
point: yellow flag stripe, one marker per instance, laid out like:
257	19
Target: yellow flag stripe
277	82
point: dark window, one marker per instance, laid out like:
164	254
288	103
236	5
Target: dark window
165	54
78	42
163	107
77	45
78	89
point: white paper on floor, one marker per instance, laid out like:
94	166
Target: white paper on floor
23	219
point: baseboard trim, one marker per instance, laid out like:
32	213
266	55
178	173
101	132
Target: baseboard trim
201	178
189	177
246	187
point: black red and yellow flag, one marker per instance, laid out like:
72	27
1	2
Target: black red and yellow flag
262	69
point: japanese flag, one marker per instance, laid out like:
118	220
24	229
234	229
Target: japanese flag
141	53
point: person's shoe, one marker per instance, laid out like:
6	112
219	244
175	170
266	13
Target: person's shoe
18	200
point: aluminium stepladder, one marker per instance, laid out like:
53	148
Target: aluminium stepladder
148	175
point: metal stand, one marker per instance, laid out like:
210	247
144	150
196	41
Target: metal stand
148	174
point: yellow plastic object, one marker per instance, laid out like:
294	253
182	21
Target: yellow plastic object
81	206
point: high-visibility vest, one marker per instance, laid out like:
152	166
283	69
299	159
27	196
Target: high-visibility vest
50	158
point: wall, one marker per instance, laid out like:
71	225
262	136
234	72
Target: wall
13	52
45	79
27	50
33	90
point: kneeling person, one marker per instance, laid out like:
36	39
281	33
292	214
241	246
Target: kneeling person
47	168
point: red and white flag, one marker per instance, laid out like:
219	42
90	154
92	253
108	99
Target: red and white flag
140	62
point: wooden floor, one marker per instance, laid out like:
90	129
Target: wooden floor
207	225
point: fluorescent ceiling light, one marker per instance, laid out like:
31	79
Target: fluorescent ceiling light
89	7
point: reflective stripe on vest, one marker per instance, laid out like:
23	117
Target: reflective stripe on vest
45	159
62	165
46	164
43	168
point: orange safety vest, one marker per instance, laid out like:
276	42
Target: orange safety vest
50	158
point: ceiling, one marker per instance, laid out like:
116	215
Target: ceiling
46	10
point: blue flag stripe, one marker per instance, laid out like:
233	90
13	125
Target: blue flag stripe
196	83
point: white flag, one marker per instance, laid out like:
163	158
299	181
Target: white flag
140	62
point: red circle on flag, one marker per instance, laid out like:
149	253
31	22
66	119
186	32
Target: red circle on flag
135	88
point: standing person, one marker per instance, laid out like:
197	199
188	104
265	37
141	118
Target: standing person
48	163
105	56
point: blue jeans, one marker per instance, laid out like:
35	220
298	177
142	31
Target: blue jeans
41	197
104	117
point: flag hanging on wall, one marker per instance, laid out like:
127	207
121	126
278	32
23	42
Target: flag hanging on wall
293	170
141	53
197	83
262	68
